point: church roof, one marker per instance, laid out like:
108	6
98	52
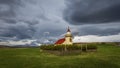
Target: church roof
60	41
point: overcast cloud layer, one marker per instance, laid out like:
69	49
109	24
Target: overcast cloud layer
47	20
92	11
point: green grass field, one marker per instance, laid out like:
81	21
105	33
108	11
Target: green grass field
107	56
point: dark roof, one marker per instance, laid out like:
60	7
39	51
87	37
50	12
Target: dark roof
60	41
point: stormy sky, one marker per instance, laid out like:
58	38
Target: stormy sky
48	19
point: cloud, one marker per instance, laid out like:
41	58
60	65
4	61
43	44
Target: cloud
92	11
20	31
7	8
27	19
96	38
23	42
97	30
48	19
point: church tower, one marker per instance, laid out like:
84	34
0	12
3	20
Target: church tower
68	37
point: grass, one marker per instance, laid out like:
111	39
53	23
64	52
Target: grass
107	56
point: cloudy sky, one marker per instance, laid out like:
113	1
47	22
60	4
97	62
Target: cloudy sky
47	20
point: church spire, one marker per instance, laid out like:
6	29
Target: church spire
68	29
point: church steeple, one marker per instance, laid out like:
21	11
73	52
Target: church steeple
68	37
68	29
68	34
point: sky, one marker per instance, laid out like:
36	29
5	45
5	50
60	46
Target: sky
47	20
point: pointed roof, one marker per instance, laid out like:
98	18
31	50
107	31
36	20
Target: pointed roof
68	29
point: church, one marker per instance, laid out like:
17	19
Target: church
67	39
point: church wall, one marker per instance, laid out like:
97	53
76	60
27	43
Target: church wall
68	40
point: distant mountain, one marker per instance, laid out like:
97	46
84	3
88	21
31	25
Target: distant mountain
4	46
22	46
17	46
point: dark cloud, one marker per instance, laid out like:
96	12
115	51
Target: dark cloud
10	21
9	13
10	5
20	32
23	19
92	11
9	1
14	28
99	31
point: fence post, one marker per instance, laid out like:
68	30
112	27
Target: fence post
65	48
86	47
81	47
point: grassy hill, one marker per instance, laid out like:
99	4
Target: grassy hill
107	56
